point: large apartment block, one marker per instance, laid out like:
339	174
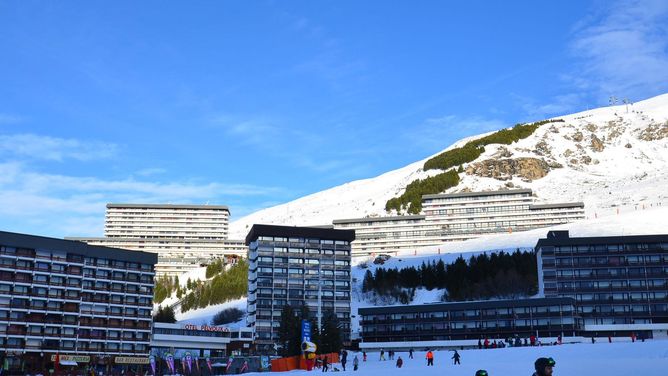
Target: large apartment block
183	236
297	266
166	221
456	217
66	297
463	323
620	283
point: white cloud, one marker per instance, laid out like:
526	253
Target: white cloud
624	52
40	147
69	205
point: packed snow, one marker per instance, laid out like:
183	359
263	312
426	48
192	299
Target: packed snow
631	170
648	358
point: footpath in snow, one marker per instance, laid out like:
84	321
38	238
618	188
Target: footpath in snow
610	359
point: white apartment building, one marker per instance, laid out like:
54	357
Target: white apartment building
166	221
184	236
456	217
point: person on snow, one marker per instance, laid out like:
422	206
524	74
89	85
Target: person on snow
344	359
544	366
410	353
244	368
364	356
430	358
325	364
481	372
456	357
356	363
486	344
400	362
382	354
479	344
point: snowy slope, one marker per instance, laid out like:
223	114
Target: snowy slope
611	359
610	158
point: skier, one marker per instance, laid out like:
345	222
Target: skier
481	372
364	356
356	363
456	357
391	354
325	363
400	362
382	354
479	344
486	343
593	340
430	358
244	368
410	353
344	359
544	366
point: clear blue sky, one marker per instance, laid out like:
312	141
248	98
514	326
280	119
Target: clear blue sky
251	104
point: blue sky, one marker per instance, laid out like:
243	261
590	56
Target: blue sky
255	104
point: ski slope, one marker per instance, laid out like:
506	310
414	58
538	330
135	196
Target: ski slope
648	358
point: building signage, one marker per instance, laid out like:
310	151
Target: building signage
130	360
207	328
306	331
73	358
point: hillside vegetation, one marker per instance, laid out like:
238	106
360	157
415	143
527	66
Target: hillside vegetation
411	200
472	149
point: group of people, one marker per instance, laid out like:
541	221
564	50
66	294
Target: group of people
543	366
512	342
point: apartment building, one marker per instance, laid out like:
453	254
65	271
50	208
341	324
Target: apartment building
620	283
297	266
184	236
455	324
456	217
82	302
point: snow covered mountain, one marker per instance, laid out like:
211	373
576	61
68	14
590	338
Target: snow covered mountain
612	158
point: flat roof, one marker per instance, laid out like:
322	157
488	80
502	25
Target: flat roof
476	194
479	304
378	219
297	231
167	206
557	238
558	205
148	240
13	239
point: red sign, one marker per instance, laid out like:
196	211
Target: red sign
207	328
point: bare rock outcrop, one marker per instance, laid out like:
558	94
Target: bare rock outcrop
505	169
654	132
596	144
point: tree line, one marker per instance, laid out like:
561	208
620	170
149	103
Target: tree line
411	199
328	339
484	276
226	285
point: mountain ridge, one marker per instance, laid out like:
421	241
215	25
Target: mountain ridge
611	158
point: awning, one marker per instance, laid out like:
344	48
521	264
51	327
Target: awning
68	362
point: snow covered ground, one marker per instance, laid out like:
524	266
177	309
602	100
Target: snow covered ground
205	315
610	359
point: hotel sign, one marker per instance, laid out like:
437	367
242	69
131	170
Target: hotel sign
130	360
74	358
207	328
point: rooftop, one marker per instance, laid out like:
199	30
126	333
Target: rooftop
167	206
13	239
478	194
302	232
